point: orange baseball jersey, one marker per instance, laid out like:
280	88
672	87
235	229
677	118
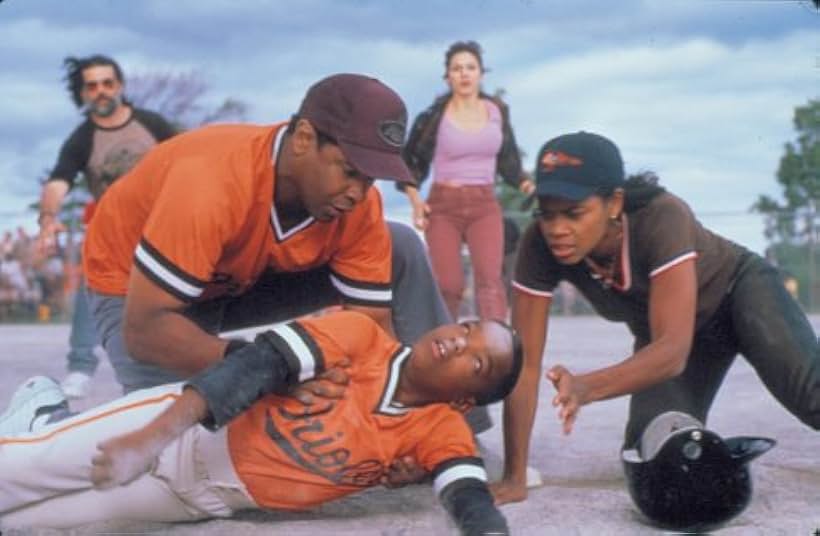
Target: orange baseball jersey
196	216
292	459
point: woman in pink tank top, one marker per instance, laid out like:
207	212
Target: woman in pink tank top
466	136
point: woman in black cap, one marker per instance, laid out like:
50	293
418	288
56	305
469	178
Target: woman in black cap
691	298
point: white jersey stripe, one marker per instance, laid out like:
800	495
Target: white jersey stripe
281	236
673	262
163	273
457	472
370	295
387	405
528	290
307	362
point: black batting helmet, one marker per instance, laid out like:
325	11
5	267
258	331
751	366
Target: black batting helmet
684	477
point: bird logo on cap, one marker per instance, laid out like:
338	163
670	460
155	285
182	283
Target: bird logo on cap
392	132
555	159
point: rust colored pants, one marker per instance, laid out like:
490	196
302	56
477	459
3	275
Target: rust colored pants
471	215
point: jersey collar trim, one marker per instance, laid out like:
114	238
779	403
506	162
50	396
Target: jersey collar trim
279	232
626	265
387	405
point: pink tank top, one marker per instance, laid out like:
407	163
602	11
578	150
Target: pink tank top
467	158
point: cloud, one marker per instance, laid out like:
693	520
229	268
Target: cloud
42	37
702	92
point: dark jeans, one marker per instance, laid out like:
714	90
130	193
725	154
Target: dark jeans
760	320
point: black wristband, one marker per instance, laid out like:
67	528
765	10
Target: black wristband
471	506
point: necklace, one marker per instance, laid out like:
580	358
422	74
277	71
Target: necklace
602	272
606	270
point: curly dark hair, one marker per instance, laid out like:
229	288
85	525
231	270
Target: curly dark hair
507	383
74	68
639	189
464	46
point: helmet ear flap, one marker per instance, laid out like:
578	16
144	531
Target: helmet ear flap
745	449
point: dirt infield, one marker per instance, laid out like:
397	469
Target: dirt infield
584	489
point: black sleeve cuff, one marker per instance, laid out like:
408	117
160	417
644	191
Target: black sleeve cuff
471	506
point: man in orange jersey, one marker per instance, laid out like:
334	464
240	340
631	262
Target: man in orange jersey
235	225
224	441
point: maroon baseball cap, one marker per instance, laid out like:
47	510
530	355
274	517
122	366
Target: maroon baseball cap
367	120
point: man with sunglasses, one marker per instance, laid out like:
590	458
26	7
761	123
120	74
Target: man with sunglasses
113	137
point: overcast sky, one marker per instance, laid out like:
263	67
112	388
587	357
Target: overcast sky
700	91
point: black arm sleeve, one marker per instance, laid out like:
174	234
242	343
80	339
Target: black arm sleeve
74	154
508	160
413	153
245	375
470	504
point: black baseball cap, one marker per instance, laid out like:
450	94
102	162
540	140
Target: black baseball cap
575	166
365	118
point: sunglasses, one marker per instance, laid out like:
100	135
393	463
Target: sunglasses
93	85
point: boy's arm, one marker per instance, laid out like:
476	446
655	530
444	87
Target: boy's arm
442	442
212	397
461	485
123	458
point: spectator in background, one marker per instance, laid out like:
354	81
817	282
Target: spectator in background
20	291
465	135
6	244
113	137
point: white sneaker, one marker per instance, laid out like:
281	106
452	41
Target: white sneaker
494	465
30	406
534	478
76	385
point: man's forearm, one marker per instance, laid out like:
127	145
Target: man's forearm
52	198
171	341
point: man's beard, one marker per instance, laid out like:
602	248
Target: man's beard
104	106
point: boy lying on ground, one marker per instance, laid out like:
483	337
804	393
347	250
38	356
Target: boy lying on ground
225	441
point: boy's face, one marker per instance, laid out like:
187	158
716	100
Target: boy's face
461	361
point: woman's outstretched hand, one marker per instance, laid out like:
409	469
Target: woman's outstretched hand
570	397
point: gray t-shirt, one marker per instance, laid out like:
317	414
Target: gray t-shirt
656	237
105	154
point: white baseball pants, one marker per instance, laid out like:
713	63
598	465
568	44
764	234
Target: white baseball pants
45	476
